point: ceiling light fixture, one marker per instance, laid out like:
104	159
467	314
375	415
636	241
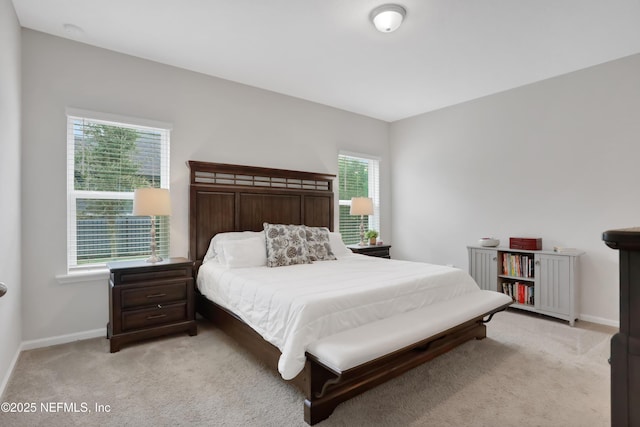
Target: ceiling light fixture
73	30
388	17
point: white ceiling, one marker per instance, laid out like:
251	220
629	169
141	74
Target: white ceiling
327	51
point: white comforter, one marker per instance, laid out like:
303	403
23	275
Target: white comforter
294	306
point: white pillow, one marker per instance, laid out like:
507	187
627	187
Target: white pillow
250	252
215	251
337	245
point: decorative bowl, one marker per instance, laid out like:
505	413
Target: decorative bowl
487	241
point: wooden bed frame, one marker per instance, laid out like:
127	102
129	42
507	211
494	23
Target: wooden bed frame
237	198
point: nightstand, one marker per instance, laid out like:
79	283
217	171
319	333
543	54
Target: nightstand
381	251
148	300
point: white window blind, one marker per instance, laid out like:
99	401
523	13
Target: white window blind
358	176
106	162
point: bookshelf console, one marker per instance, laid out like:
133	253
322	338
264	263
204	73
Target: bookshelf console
540	281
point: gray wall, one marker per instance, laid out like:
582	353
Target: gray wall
213	120
535	161
557	159
10	304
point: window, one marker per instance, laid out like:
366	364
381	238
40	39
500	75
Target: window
358	176
107	158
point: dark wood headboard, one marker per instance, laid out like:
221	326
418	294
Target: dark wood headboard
225	197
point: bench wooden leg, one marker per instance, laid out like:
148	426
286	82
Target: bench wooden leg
318	410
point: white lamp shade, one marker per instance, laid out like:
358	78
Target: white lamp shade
151	201
388	17
361	206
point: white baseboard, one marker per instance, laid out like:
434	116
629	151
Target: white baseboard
63	339
600	320
7	377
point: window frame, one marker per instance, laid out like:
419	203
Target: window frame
373	187
73	195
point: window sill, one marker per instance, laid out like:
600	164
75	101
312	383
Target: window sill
101	275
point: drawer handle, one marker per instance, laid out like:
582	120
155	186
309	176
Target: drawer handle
156	316
156	295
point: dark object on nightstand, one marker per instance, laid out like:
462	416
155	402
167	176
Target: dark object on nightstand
147	300
625	345
381	251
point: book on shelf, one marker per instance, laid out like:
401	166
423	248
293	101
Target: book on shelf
517	265
521	293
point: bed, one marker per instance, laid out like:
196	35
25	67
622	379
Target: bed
343	356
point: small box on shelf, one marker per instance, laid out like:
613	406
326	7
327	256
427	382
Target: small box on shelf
525	243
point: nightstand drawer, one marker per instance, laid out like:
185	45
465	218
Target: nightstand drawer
149	273
157	294
140	319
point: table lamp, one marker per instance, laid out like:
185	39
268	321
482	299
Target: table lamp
152	202
361	206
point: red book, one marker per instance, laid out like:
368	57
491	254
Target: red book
520	293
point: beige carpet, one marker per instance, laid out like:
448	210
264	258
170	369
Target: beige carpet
530	371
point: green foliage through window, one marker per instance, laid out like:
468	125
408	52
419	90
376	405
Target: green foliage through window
357	177
353	177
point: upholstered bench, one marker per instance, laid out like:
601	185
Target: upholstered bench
348	349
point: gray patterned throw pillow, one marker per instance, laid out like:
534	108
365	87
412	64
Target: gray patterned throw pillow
318	244
286	245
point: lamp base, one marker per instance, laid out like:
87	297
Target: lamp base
362	241
154	258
